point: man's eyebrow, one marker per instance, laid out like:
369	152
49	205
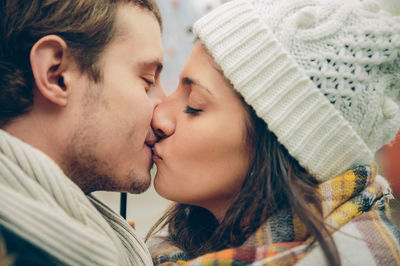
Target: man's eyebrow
188	81
151	63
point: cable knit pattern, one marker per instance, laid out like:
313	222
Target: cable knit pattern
324	75
40	204
351	53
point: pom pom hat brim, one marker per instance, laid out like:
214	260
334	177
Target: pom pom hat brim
313	130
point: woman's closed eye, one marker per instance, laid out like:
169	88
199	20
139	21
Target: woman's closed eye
192	111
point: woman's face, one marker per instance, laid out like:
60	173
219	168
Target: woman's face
202	157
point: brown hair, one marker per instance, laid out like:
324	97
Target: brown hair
6	259
87	26
274	182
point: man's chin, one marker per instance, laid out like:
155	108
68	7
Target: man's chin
132	183
133	188
140	186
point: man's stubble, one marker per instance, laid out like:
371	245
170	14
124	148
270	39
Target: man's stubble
83	163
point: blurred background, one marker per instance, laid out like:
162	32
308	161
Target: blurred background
178	17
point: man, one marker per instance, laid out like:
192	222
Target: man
79	80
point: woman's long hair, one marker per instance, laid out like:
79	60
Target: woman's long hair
275	181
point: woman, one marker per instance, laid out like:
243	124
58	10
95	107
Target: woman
268	142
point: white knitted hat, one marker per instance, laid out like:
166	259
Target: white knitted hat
323	74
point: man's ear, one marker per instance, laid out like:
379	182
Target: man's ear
49	62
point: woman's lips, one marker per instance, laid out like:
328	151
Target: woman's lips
156	155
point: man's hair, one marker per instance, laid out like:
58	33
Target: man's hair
87	26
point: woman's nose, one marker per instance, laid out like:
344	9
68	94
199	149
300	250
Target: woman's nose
163	122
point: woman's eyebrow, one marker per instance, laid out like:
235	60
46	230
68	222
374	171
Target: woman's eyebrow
190	82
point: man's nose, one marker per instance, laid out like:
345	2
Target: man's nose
163	122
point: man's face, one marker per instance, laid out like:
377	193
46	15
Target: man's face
108	148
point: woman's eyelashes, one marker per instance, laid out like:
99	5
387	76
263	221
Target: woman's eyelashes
192	111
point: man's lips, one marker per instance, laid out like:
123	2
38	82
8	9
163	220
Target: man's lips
151	138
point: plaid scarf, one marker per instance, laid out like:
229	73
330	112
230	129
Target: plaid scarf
355	202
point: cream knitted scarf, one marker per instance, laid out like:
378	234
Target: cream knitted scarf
40	204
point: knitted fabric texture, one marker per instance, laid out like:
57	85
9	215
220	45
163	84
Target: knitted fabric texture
323	74
44	207
354	204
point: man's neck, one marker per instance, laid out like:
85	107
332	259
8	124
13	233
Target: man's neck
37	133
